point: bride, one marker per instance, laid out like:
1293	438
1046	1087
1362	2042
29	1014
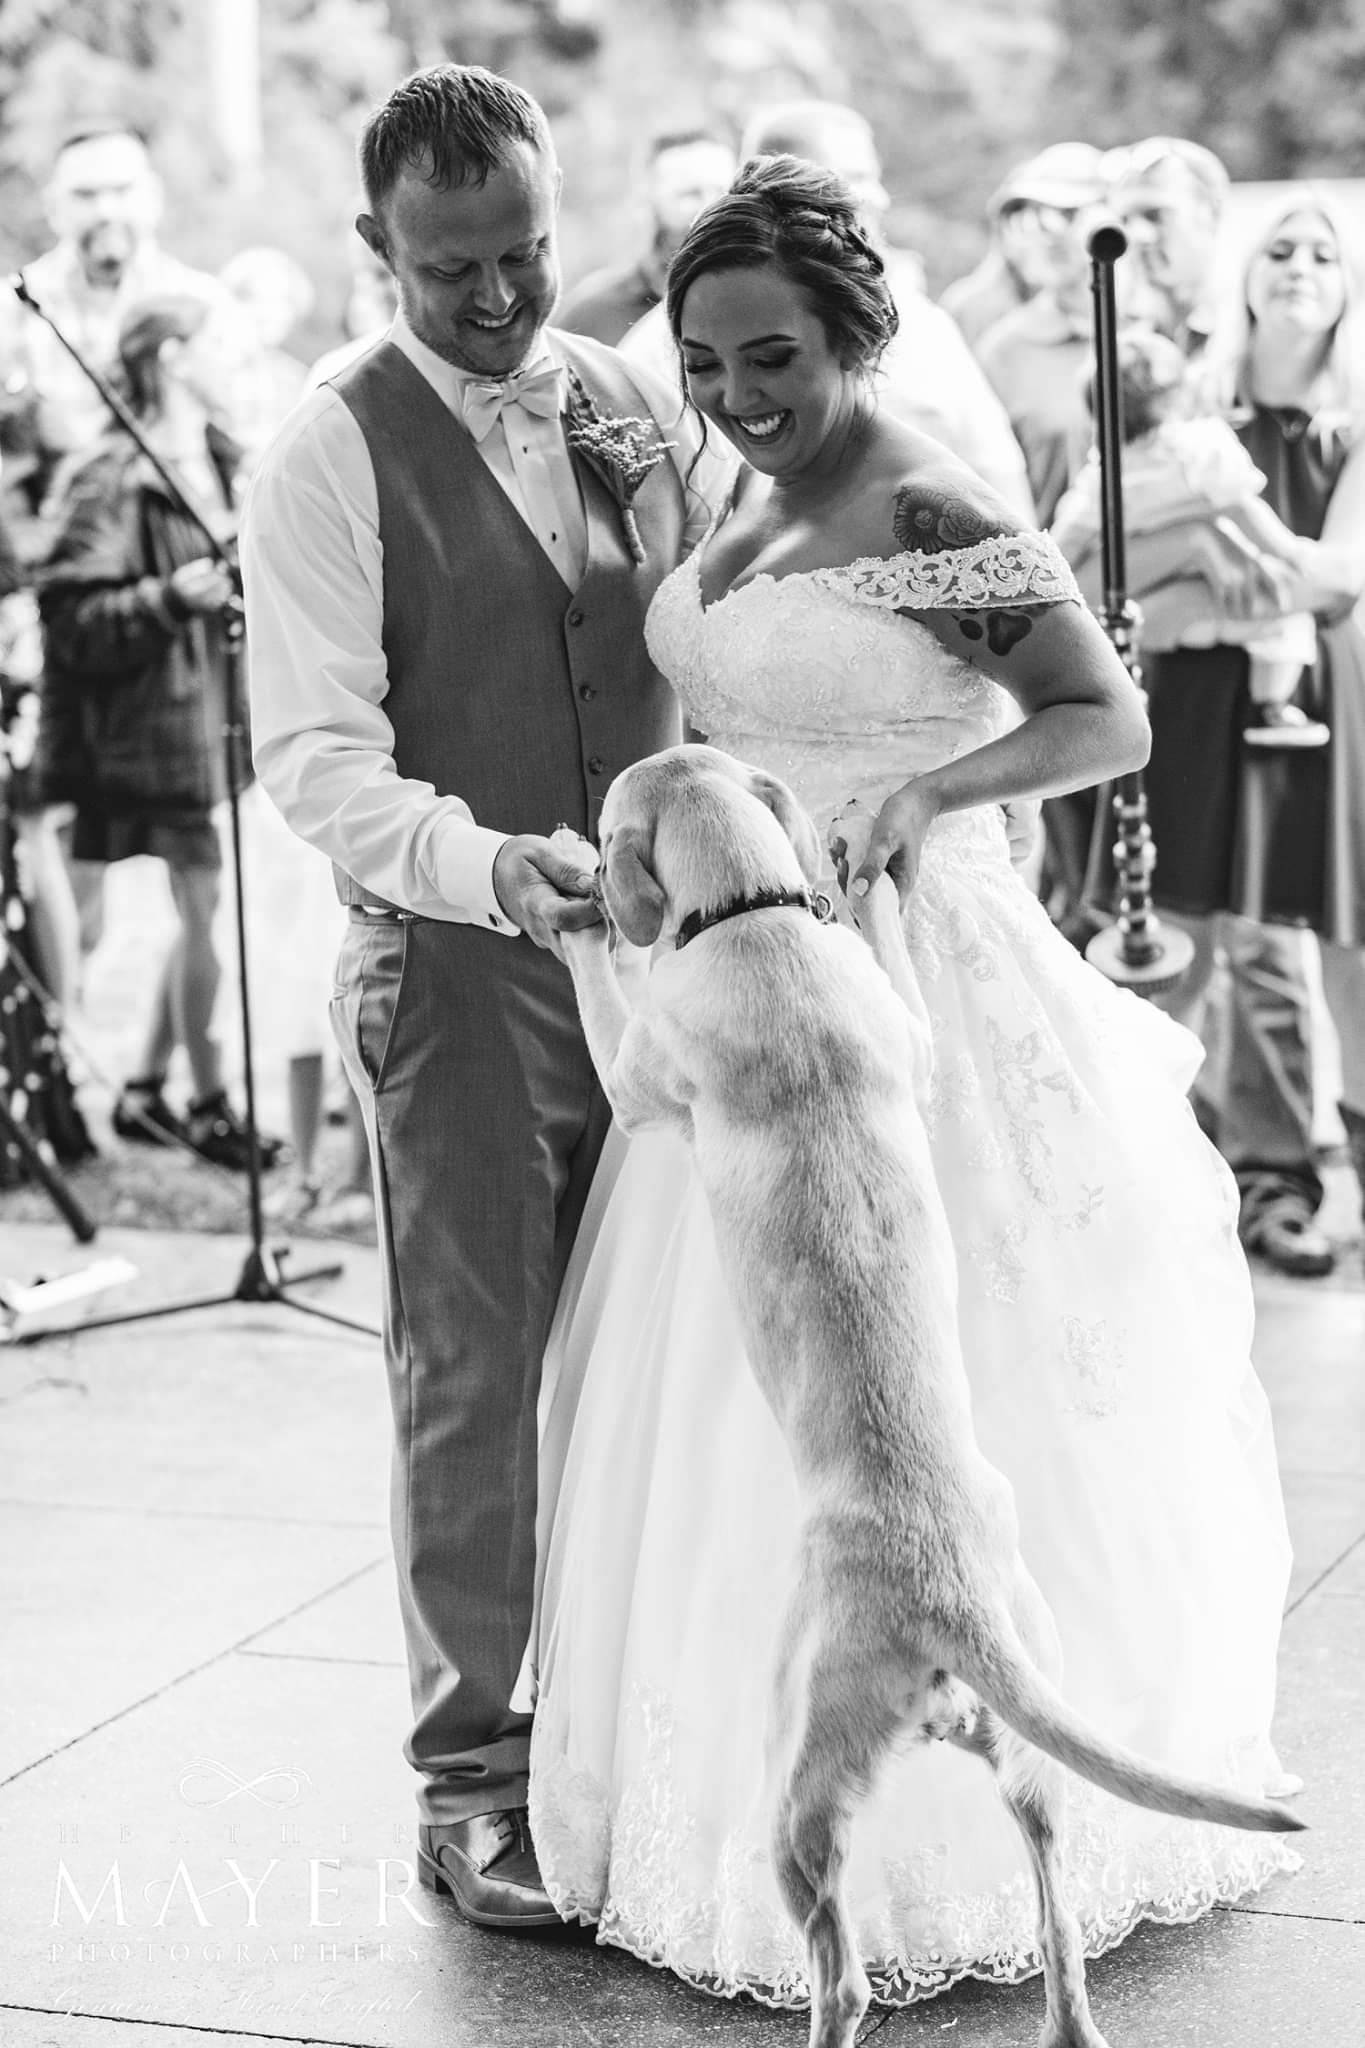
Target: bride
857	622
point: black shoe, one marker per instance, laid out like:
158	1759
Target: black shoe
1277	1223
143	1116
217	1133
488	1866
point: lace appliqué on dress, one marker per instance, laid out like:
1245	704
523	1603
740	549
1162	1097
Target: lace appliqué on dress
1096	1355
627	1870
1001	570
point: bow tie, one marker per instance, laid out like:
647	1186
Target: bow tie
538	389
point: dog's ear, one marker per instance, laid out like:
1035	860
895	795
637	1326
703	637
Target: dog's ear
632	892
793	820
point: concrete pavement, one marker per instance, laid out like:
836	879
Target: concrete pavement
205	1821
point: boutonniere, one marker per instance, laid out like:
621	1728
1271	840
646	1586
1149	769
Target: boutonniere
622	451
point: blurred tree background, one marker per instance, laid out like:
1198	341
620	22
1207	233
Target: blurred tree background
253	107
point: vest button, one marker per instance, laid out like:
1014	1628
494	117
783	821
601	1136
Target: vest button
596	765
575	617
586	692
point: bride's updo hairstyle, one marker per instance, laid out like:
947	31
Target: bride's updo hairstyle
786	211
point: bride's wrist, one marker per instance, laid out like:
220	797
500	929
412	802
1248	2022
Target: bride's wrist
927	791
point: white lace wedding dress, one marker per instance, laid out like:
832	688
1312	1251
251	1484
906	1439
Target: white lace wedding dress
1106	1321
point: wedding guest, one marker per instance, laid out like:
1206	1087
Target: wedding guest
1180	466
273	293
686	168
1037	357
1170	196
306	944
1035	203
371	304
929	377
448	553
51	920
294	939
133	606
37	913
1256	849
104	202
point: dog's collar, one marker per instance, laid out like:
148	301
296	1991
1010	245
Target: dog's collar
697	921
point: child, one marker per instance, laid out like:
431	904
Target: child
1176	469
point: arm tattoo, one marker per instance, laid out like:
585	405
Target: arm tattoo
931	519
1000	630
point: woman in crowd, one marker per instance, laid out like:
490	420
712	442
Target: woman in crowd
856	623
133	607
1277	839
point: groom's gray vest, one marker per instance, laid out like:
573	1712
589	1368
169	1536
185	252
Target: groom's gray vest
505	687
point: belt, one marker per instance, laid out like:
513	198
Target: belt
385	912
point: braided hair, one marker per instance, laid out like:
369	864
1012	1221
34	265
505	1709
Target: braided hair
786	211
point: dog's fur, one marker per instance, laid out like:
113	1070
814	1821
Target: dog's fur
779	1047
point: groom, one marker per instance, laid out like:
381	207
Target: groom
445	608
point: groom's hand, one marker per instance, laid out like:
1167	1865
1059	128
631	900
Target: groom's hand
541	892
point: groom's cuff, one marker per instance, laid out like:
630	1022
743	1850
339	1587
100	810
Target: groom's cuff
466	878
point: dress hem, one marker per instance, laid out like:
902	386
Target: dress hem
904	1983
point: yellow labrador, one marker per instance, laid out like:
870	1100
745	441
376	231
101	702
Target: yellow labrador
778	1045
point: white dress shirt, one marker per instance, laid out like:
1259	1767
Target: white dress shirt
312	569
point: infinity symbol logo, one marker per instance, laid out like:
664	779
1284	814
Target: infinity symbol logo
201	1784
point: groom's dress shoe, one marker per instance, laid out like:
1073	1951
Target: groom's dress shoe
488	1866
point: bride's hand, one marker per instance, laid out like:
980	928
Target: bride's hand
897	839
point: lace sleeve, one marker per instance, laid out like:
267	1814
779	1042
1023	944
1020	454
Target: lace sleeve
1004	569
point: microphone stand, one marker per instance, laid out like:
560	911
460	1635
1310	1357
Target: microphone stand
1136	951
262	1277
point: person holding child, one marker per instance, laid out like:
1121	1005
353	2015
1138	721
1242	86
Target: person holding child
1178	467
1255	845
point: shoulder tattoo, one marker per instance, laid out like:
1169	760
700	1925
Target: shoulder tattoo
935	519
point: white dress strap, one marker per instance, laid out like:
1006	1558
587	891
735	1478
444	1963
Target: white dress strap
1004	569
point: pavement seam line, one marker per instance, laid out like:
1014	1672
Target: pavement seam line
1308	1919
69	2012
180	1678
317	1657
105	1507
1324	1574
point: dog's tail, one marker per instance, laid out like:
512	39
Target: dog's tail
1010	1683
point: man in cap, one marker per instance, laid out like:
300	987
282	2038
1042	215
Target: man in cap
1035	203
1037	356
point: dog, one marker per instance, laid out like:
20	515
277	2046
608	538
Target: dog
778	1045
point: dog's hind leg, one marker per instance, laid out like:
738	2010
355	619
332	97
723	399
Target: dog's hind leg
1032	1787
841	1736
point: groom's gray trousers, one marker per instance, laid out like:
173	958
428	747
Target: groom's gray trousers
485	1122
